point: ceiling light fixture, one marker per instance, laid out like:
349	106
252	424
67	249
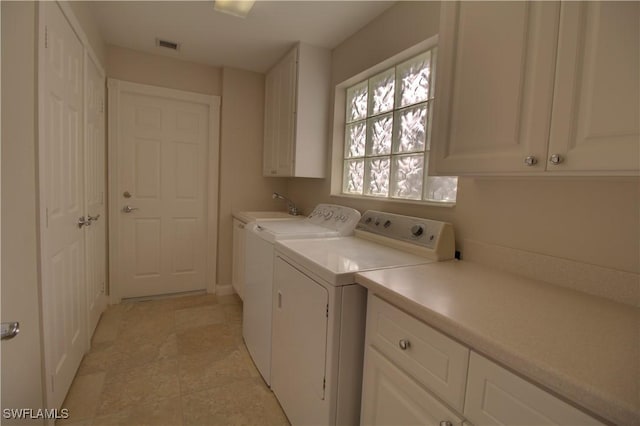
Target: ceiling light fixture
239	8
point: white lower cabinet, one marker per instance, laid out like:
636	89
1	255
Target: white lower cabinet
412	373
432	359
391	397
415	375
495	396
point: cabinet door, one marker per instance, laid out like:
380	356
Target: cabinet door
390	397
237	271
269	166
595	124
496	396
496	64
286	114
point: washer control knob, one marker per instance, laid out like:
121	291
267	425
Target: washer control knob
368	220
417	230
387	224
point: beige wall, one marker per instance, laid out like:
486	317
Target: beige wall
21	361
592	220
242	186
81	10
139	67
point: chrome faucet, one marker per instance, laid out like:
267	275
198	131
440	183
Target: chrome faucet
293	210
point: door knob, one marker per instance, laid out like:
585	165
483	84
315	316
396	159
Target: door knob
83	222
10	330
129	209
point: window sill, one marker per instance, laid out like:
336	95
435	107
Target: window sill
445	204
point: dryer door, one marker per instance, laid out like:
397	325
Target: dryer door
299	348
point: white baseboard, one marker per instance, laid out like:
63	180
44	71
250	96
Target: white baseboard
224	290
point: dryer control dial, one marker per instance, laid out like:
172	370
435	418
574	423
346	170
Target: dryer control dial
417	230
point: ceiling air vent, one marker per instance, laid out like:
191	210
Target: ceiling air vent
167	44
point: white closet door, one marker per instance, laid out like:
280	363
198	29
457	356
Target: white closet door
95	192
62	202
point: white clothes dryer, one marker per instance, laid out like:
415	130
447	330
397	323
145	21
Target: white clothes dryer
319	311
326	220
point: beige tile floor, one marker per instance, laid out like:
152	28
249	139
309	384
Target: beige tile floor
178	361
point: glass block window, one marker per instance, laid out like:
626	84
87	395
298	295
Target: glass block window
387	135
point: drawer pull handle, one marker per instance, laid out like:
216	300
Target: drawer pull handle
446	423
404	344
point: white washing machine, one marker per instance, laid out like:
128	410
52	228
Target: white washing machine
319	312
326	220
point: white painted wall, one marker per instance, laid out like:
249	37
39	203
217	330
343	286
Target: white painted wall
21	359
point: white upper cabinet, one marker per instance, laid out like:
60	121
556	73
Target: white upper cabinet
522	83
296	113
495	85
596	112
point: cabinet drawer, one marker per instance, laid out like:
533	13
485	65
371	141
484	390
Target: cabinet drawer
497	396
390	397
431	358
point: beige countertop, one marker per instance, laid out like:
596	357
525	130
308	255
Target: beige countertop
583	348
247	217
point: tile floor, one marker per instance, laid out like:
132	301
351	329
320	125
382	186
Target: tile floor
178	361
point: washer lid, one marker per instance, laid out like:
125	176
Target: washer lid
289	229
337	260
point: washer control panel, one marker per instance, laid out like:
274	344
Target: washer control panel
333	216
415	230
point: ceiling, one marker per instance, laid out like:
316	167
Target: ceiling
210	37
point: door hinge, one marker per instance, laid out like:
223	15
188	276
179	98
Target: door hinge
324	383
327	310
46	37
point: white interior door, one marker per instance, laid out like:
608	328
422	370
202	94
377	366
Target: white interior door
95	187
162	139
62	202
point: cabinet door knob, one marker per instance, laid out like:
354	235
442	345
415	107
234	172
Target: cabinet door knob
404	344
556	159
530	161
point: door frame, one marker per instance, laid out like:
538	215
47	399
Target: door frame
115	88
90	59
